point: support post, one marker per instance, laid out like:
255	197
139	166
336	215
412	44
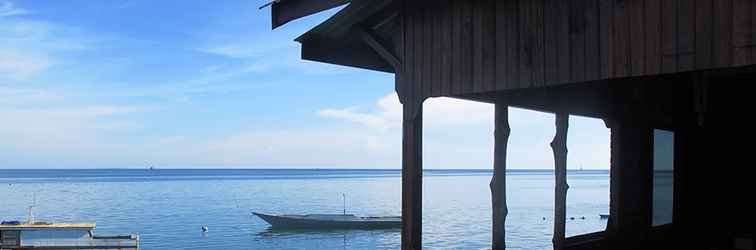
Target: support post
412	176
630	184
559	146
499	180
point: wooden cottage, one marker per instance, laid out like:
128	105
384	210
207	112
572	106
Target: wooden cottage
682	68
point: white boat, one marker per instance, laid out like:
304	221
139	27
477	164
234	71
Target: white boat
42	235
39	235
330	221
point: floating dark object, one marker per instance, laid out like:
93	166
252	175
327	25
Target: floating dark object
604	216
330	221
205	228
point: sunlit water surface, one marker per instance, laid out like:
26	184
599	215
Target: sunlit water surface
168	207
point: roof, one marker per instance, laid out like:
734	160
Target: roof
88	226
284	11
339	40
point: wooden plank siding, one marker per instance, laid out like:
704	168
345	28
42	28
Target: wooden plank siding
722	35
669	36
577	24
551	43
742	32
463	47
686	30
652	34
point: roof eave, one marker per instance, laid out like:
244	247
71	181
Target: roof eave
284	11
338	39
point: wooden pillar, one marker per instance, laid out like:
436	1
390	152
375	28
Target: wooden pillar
630	183
499	180
559	146
412	176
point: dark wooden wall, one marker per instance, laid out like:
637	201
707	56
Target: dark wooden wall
461	47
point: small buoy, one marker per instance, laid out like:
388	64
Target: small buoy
204	229
582	217
544	218
572	218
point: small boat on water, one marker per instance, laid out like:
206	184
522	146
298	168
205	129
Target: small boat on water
41	235
33	234
604	216
330	221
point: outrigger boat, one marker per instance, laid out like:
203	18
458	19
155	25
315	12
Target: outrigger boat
330	221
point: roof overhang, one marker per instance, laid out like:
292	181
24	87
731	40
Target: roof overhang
284	11
340	39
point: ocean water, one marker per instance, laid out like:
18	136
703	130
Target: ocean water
168	207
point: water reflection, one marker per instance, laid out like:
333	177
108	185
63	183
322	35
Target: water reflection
316	235
283	232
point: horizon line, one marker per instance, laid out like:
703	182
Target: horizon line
295	168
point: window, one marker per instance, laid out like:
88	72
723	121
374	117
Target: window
663	166
587	175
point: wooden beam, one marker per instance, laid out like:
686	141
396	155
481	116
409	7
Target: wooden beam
499	180
373	41
412	175
559	146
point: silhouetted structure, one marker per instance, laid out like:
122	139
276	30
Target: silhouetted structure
683	66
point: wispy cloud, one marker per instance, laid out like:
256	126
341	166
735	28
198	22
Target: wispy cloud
247	49
30	47
7	8
442	111
305	147
46	122
19	65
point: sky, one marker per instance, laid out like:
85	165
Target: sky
208	84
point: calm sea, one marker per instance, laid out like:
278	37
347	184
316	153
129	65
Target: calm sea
169	207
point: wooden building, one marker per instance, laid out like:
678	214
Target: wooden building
642	66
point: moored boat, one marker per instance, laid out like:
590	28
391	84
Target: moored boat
330	221
44	235
39	235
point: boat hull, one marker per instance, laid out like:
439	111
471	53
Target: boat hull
277	221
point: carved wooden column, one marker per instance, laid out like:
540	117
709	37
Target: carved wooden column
559	146
499	179
412	176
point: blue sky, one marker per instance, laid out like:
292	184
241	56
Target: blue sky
134	83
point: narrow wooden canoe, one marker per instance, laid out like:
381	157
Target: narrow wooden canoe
330	221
